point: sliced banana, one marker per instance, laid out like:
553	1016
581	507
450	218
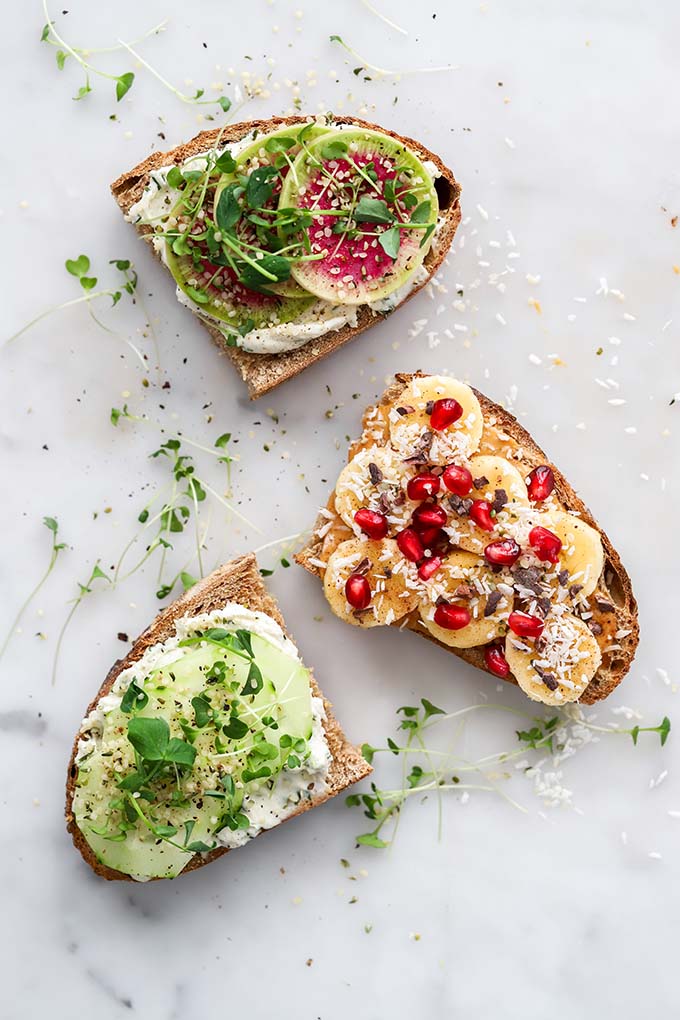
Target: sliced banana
375	478
469	575
392	579
492	475
559	666
410	427
582	554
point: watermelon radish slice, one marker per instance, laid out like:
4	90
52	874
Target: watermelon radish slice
219	295
276	150
374	208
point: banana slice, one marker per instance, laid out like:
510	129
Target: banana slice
375	478
469	576
392	579
559	666
501	483
582	554
411	430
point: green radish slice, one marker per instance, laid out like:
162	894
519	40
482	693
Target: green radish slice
374	208
276	150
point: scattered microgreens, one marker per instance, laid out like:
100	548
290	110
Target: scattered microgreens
80	269
383	17
53	527
435	771
125	81
384	72
84	589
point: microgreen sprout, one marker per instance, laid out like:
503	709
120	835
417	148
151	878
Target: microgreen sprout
384	72
426	770
83	591
123	82
53	527
383	17
80	269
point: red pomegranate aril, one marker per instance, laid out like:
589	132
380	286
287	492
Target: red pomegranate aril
371	523
451	617
525	625
444	413
358	591
503	553
545	544
457	479
540	483
429	515
423	486
430	536
410	545
480	513
428	568
496	662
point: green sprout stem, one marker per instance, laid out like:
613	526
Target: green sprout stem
50	523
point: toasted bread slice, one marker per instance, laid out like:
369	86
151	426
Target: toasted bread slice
613	612
263	372
237	581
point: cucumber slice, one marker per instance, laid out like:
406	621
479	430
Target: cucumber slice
185	681
381	212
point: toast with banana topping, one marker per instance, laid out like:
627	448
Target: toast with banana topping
450	521
210	731
288	237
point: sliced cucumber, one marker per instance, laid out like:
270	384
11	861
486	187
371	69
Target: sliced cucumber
375	209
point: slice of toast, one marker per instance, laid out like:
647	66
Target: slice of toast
237	581
263	372
613	588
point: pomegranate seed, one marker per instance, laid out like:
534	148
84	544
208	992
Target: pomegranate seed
480	512
495	661
431	537
525	625
457	479
444	413
358	591
410	545
371	523
429	515
545	544
502	554
423	486
541	483
428	568
451	617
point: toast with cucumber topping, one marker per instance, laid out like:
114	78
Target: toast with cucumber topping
210	731
450	521
290	236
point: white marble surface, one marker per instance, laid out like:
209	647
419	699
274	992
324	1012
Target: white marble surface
576	153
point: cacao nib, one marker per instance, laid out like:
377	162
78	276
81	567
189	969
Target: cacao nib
363	567
595	627
543	606
406	410
460	505
481	482
563	577
575	589
384	503
604	606
528	577
464	591
500	499
492	601
375	473
421	449
399	499
429	407
547	678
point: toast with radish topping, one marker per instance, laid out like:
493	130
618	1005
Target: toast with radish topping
288	237
209	732
450	521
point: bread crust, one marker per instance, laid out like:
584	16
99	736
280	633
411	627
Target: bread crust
614	580
239	581
263	372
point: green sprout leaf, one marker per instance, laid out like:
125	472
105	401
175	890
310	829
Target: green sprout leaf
389	241
373	210
124	84
372	839
78	267
335	149
134	699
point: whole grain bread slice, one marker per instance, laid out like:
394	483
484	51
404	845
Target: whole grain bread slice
614	584
239	581
263	372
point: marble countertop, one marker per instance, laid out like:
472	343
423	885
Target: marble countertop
561	299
